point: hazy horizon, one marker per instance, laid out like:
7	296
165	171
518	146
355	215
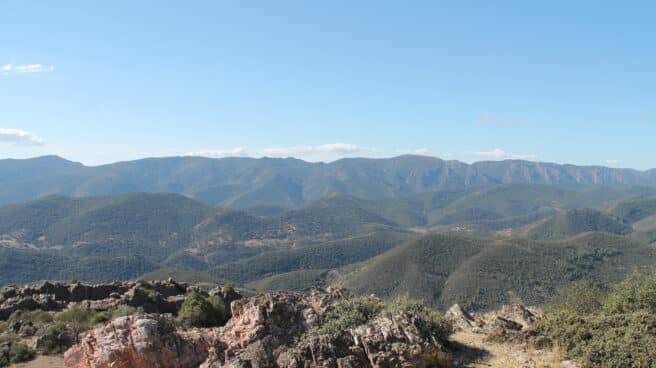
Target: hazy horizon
319	162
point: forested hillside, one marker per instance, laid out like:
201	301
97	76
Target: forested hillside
469	246
485	273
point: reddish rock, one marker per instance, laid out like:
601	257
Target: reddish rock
266	331
139	341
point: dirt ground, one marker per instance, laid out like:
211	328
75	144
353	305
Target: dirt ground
477	353
43	362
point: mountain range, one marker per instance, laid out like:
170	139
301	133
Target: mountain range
287	183
443	231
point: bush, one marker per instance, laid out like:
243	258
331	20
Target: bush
637	292
14	352
100	317
123	310
198	311
348	313
436	325
221	309
617	330
4	355
55	339
581	297
79	320
37	317
20	353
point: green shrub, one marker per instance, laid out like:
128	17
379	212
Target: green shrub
8	338
55	339
100	317
617	330
15	352
4	356
198	311
68	325
20	353
221	309
637	292
37	317
436	325
81	319
568	329
348	313
581	297
123	310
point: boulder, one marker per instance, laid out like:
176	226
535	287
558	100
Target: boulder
150	300
28	302
512	325
518	313
58	290
139	341
462	319
169	288
228	294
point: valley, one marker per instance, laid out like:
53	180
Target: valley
479	246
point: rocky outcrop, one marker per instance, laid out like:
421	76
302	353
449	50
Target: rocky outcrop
140	341
391	340
228	294
511	324
154	297
521	314
264	326
267	330
462	319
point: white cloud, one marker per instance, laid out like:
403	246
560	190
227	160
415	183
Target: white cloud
19	137
331	148
417	151
489	119
613	162
224	152
321	152
498	154
26	68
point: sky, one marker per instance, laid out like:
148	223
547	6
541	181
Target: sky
558	81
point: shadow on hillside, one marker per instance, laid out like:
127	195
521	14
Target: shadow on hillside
466	354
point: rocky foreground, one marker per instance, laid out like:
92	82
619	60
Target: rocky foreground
265	331
271	330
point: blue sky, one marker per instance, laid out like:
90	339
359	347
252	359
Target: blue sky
558	81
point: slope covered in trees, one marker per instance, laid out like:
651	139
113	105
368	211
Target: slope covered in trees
485	273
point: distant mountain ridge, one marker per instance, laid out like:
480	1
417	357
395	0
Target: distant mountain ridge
288	182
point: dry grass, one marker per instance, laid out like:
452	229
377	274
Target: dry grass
42	362
505	355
